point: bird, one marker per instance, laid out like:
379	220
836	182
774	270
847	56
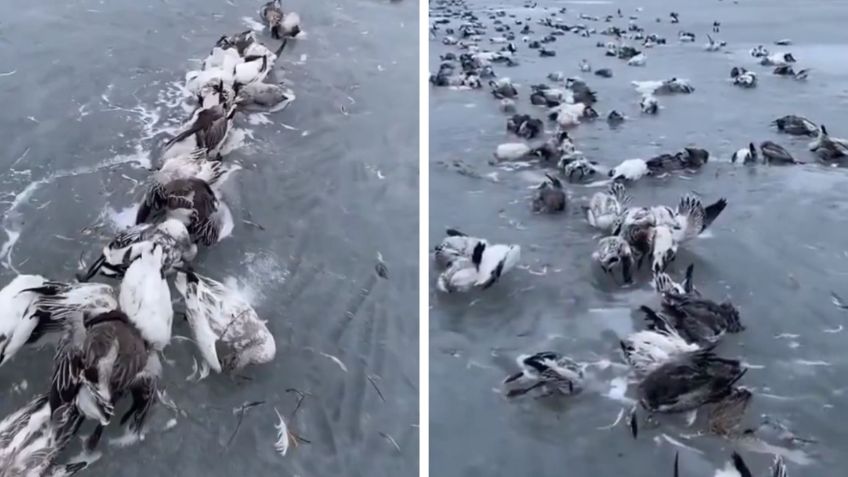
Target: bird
613	251
20	325
746	155
503	88
726	416
649	104
495	261
827	147
32	437
549	370
194	203
227	330
638	60
606	206
663	283
145	297
193	165
461	275
629	169
689	381
646	350
265	97
712	45
796	125
701	320
747	79
512	151
673	227
171	234
271	14
207	131
776	154
60	302
777	59
455	245
584	66
550	196
686	37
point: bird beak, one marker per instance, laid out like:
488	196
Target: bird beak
514	377
92	270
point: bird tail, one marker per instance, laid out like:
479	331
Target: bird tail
711	212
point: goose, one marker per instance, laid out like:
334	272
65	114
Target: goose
712	45
220	319
281	24
555	373
171	234
686	37
256	63
578	169
208	130
746	155
689	381
99	359
746	80
613	251
512	151
503	88
663	283
214	93
701	320
145	297
584	66
194	203
726	415
606	206
32	437
460	276
638	60
550	196
693	157
454	246
19	324
495	261
777	59
796	125
649	104
646	350
193	165
828	147
776	154
673	227
759	51
629	169
265	97
556	147
522	125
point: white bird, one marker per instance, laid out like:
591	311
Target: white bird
171	234
638	60
647	350
747	79
777	59
454	246
193	165
605	207
32	438
569	115
649	104
549	370
745	155
19	323
712	45
686	37
512	151
485	266
146	298
221	319
629	169
497	260
459	277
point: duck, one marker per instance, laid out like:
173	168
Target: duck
101	358
827	147
747	79
265	97
208	130
32	438
776	154
550	196
512	151
503	88
606	206
629	169
584	66
746	155
649	104
554	373
796	125
701	320
456	244
19	325
171	234
689	381
613	251
639	60
777	59
220	319
194	203
646	350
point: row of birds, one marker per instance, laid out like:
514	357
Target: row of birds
674	359
108	339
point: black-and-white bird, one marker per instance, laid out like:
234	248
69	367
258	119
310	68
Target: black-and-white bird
555	373
746	155
828	147
701	320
